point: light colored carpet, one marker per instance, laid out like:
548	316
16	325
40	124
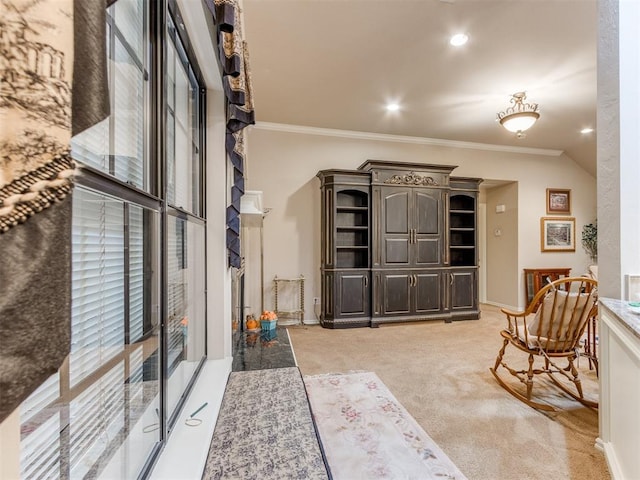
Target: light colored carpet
368	435
440	373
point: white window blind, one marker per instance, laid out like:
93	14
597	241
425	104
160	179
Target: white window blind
129	16
97	319
106	391
177	288
128	118
171	124
92	145
97	418
118	145
186	303
40	456
136	379
42	397
183	166
136	273
183	142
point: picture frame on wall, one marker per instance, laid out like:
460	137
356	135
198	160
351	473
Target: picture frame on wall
558	234
558	201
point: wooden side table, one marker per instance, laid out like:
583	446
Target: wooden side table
536	278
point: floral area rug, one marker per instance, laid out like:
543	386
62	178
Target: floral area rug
367	434
265	430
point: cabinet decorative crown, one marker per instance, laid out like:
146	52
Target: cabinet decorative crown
411	178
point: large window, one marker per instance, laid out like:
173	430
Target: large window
106	411
185	225
119	145
183	149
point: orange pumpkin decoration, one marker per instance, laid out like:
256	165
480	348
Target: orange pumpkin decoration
268	315
252	324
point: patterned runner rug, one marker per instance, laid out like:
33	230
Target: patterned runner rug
265	430
367	434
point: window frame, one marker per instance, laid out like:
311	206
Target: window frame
151	196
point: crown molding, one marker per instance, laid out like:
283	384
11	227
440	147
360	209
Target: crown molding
385	137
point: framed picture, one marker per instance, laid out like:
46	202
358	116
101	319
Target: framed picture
558	234
558	201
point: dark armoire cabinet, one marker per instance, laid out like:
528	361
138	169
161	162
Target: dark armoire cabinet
398	244
346	244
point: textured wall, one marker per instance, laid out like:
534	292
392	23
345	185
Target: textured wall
629	57
608	177
618	145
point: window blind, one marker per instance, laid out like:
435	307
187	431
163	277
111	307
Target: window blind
177	289
128	118
40	456
97	309
43	396
136	273
96	419
183	160
73	423
118	145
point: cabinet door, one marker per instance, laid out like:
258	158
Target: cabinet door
395	221
396	293
427	219
463	290
352	294
428	292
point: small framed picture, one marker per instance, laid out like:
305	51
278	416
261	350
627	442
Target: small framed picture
558	234
558	201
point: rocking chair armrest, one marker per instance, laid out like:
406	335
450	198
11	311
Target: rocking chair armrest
517	323
511	313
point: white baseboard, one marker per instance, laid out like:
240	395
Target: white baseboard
502	305
612	461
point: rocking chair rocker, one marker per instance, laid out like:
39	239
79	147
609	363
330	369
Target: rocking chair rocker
550	328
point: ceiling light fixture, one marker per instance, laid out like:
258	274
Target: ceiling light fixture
393	107
584	131
520	116
459	39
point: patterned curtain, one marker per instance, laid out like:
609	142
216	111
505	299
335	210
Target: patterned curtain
236	79
38	67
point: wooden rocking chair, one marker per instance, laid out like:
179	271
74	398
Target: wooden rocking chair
550	328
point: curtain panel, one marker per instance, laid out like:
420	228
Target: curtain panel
49	50
233	56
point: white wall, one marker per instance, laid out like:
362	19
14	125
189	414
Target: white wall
218	274
283	165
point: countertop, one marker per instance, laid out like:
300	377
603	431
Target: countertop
628	316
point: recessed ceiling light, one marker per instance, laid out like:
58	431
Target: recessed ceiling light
459	39
584	131
393	107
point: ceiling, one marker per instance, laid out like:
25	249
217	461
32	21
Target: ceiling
336	63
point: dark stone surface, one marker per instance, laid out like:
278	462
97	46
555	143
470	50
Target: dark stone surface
262	350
